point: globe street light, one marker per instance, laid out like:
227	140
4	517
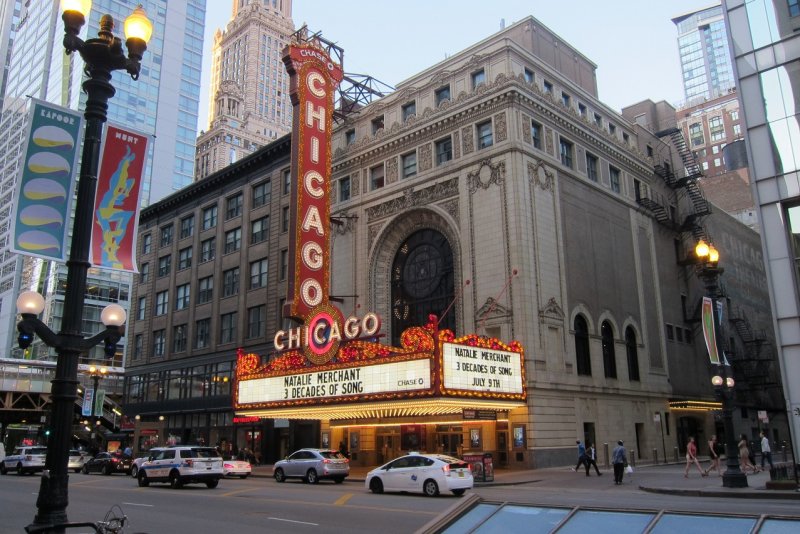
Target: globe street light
709	272
101	56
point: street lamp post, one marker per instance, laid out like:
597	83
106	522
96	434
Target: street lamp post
101	56
709	273
95	373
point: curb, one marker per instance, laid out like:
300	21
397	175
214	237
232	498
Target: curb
758	494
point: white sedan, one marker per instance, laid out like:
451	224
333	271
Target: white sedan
236	468
426	473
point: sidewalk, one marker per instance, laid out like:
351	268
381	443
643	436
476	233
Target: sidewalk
662	478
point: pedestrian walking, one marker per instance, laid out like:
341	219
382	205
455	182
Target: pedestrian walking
744	456
691	458
581	456
619	457
713	452
591	460
766	451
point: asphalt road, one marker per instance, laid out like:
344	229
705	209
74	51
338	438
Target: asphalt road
258	505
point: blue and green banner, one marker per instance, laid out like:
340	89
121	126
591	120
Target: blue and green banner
46	183
710	330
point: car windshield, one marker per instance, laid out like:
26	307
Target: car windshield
336	455
206	452
37	450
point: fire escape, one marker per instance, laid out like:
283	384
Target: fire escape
752	364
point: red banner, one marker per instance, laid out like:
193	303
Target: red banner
116	203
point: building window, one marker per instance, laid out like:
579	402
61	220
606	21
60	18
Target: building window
287	181
256	322
591	167
208	249
528	74
187	227
409	164
484	134
285	219
159	343
262	194
548	88
376	177
614	178
185	258
536	134
162	303
350	137
259	230
626	138
164	265
612	129
344	189
716	128
717	162
632	353
478	78
735	114
227	327
166	236
441	95
598	120
444	150
233	240
147	243
202	336
230	282
284	264
205	290
144	273
565	100
209	217
233	206
565	148
258	273
670	333
182	296
705	165
582	357
582	111
138	346
696	134
408	110
141	309
737	130
376	124
179	334
609	355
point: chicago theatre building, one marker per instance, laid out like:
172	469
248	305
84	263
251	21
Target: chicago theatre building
487	260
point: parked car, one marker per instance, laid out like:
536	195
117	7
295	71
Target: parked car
313	465
141	458
236	468
426	473
24	460
107	463
76	460
181	465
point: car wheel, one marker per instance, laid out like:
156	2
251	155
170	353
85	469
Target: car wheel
134	471
77	469
459	492
143	482
211	484
338	480
243	476
430	488
85	470
3	470
375	485
20	471
107	470
175	480
311	477
279	476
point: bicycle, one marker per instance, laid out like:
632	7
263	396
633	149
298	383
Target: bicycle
113	523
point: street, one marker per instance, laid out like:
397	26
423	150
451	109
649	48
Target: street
259	504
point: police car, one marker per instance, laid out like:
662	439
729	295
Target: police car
24	460
183	464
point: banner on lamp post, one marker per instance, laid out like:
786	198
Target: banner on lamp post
88	399
116	204
99	399
46	182
710	329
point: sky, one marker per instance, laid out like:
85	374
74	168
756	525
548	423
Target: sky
632	42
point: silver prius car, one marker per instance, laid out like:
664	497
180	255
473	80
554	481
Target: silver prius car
312	465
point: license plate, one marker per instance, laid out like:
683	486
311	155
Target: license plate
461	474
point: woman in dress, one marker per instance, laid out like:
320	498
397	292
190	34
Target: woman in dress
691	458
744	456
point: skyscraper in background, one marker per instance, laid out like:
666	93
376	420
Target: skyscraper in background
249	96
765	36
163	102
703	51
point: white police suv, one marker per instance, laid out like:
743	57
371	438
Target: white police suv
24	460
182	464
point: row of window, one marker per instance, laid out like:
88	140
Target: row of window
200	337
198	381
583	355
